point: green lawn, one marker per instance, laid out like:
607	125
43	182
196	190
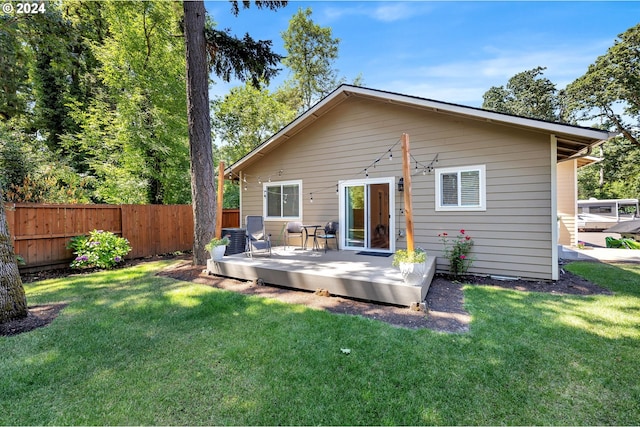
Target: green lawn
133	348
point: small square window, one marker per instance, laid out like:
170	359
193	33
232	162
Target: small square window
460	189
282	200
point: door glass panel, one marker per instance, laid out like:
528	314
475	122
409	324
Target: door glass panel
354	216
379	216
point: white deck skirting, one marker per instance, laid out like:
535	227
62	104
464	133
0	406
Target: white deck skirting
342	273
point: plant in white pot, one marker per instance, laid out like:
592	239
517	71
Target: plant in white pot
217	247
412	264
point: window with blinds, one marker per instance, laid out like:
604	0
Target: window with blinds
461	188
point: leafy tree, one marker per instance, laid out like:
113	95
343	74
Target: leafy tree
53	61
242	120
245	118
13	302
135	130
311	49
59	58
610	90
616	176
526	94
29	171
13	70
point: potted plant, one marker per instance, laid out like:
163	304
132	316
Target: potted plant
217	247
412	265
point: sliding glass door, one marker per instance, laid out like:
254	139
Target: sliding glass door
366	216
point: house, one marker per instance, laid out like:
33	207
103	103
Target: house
499	177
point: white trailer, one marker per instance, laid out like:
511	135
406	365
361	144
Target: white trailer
598	215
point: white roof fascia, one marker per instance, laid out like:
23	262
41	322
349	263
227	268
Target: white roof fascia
484	114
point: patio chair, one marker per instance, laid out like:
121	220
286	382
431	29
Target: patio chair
293	228
330	231
258	241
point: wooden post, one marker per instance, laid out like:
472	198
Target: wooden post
219	200
406	174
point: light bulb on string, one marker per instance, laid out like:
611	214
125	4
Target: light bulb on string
311	200
390	155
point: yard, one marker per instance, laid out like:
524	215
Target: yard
132	347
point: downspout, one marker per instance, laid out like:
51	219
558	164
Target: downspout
240	191
577	156
554	209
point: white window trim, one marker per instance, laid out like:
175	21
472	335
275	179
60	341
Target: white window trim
265	186
483	188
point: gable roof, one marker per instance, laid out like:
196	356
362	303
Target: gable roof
572	141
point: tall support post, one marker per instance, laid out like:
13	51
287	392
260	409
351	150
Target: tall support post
406	174
219	201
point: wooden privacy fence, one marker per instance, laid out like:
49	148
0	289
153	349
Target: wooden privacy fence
41	232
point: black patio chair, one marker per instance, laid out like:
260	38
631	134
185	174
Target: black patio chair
330	231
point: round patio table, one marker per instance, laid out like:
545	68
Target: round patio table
311	231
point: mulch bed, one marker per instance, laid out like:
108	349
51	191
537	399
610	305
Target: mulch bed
444	304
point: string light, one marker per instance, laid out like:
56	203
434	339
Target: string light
425	168
419	167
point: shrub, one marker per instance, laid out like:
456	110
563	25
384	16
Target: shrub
101	249
457	252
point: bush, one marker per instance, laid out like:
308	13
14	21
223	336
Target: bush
457	252
101	249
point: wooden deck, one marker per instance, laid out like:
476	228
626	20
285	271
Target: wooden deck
343	273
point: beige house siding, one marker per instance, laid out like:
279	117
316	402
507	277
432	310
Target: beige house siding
567	202
512	237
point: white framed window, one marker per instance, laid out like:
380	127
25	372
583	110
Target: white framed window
282	200
461	188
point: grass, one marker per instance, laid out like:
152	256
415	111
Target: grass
133	348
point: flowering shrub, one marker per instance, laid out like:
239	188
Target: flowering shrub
101	249
457	250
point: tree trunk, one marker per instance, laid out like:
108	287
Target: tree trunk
13	302
203	193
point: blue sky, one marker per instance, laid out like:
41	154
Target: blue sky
446	50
